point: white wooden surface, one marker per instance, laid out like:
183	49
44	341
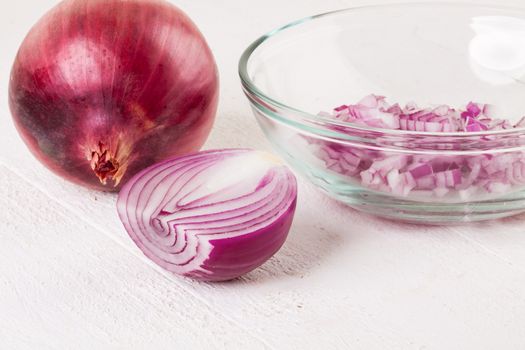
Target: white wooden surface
71	278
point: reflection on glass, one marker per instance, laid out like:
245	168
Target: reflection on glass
497	51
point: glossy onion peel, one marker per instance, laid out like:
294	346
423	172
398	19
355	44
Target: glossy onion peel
101	89
211	216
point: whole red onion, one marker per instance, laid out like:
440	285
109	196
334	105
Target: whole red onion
101	89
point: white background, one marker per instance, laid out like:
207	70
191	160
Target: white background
70	278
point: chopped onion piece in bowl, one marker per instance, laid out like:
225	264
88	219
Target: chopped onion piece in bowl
447	177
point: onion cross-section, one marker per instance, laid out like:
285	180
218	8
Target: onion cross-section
213	215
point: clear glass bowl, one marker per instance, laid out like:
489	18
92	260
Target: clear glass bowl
428	53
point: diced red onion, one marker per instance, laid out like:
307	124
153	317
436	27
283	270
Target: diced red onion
213	215
434	175
421	171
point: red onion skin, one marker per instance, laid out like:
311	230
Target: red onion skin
101	89
228	263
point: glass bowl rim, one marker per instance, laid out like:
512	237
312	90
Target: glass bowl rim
251	88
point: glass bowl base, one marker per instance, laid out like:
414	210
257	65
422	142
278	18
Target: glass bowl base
393	208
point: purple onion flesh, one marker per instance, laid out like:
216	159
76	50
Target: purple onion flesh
213	215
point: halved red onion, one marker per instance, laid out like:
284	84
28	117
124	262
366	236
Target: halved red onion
213	215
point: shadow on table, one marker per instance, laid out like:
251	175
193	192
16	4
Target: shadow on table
320	231
329	227
310	243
